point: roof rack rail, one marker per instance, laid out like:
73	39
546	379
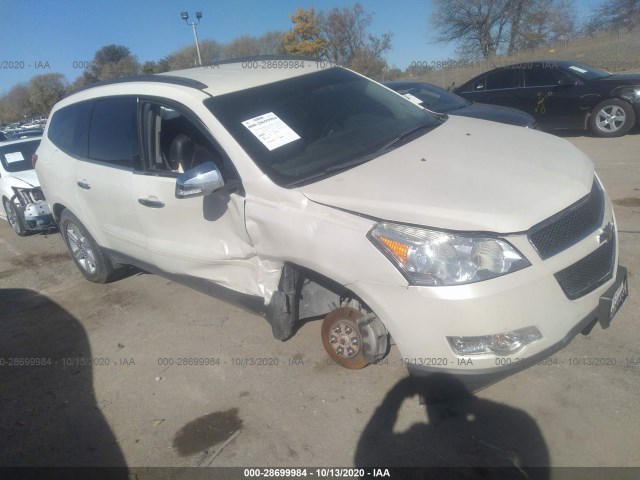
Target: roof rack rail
267	57
160	78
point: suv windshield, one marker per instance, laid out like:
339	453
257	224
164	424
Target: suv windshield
16	157
315	125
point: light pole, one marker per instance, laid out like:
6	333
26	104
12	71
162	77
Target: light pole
185	17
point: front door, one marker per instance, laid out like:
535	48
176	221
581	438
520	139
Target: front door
201	237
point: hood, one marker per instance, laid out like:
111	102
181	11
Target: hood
27	176
467	174
622	78
495	113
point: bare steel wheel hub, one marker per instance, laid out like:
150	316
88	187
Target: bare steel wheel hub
342	338
345	340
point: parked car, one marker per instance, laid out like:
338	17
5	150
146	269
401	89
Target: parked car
440	100
3	137
34	132
562	94
479	248
24	206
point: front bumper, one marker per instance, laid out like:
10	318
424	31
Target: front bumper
33	208
442	383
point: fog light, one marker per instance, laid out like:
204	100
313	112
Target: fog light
506	343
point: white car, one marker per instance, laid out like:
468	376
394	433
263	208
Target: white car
479	248
24	205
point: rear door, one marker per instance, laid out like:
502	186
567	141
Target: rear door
552	96
103	178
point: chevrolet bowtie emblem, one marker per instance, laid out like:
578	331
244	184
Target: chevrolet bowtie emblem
606	233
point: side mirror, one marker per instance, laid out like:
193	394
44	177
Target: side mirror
199	181
565	83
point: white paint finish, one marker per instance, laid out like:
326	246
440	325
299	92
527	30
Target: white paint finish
470	179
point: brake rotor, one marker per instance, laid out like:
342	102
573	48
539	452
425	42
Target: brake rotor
342	339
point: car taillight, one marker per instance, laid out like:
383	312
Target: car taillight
34	159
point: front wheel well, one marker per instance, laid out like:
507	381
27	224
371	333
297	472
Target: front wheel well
304	295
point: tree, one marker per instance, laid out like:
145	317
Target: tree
614	14
348	43
150	67
111	61
484	28
305	38
245	46
339	36
187	57
44	91
14	104
479	26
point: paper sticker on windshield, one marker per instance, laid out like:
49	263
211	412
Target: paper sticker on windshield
13	157
577	69
270	130
412	98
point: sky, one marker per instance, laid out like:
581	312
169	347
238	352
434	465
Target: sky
60	36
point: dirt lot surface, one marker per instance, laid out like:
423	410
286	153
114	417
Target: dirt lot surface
122	389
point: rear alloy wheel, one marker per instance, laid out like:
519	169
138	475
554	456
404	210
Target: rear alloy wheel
612	118
90	259
342	339
14	218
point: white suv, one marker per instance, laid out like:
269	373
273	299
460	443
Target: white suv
23	203
479	248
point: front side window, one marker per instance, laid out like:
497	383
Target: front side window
171	141
312	126
543	76
113	136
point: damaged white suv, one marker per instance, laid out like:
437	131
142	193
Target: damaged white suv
478	248
23	203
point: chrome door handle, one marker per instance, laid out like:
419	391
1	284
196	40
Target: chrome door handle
83	184
151	202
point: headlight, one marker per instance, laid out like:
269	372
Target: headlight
430	257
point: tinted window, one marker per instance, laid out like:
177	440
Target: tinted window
543	76
508	78
17	156
113	135
315	125
172	143
68	127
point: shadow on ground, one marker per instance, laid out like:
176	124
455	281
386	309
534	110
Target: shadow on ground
49	415
488	439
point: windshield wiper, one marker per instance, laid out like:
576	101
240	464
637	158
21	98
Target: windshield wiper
406	134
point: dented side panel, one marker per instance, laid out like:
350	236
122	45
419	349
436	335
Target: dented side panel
284	226
203	237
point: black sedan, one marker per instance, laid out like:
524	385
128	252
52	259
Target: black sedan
562	94
439	100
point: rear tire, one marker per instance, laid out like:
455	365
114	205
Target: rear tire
14	218
612	118
89	257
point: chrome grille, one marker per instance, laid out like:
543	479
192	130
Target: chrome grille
568	227
587	274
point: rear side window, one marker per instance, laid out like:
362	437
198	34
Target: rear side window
113	135
67	129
